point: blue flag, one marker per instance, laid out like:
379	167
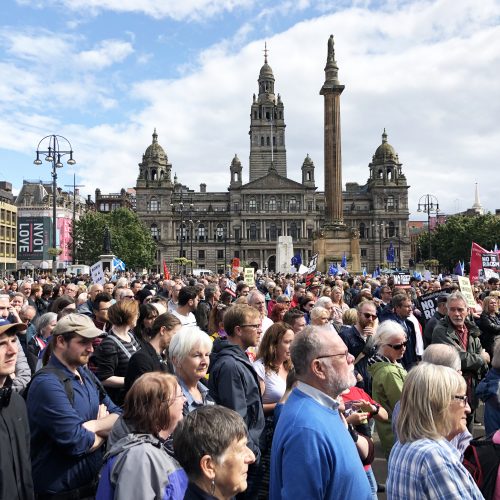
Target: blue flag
376	273
118	264
333	270
390	253
344	261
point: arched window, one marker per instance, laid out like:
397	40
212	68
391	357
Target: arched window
268	141
155	232
272	204
201	232
392	230
362	231
262	141
273	232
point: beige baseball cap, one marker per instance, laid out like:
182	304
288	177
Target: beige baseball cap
77	323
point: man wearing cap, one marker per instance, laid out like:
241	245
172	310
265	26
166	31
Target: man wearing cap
70	415
15	466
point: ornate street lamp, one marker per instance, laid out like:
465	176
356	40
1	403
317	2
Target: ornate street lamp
429	204
50	147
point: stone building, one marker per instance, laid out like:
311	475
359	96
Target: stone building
246	220
8	229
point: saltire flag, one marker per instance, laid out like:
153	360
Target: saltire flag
390	253
118	264
166	272
364	271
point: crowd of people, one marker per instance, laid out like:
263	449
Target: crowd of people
202	388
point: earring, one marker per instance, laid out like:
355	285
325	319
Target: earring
212	487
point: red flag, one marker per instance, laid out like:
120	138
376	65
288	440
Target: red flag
476	262
166	272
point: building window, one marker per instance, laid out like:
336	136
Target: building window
292	205
236	207
201	254
363	252
392	230
154	205
272	204
262	141
252	205
155	232
252	232
237	235
237	254
220	254
362	231
390	203
293	231
272	232
181	232
201	232
219	232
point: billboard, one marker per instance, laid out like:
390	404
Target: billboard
33	238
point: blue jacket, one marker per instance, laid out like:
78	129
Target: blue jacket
59	443
487	391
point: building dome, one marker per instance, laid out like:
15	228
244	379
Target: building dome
266	71
385	151
155	151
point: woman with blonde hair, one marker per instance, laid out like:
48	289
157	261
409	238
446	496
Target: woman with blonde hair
339	306
423	464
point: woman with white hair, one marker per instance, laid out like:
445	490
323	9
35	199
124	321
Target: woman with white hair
423	464
388	375
189	351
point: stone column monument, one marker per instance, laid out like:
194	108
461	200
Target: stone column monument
335	238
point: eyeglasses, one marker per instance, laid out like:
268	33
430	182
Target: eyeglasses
463	399
128	297
398	347
255	327
370	316
346	354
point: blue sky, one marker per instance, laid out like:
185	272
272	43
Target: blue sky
104	73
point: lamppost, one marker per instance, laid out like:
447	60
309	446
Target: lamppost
428	203
191	226
182	230
53	154
380	232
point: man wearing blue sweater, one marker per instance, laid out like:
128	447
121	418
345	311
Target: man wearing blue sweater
313	455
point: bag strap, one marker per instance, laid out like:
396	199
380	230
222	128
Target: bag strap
61	376
118	342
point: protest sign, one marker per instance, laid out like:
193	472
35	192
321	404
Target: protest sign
248	276
466	289
97	273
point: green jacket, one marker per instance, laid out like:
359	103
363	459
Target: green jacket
387	384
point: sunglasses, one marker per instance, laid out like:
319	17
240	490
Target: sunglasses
370	316
398	347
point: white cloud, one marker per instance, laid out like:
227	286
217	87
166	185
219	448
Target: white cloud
175	9
107	53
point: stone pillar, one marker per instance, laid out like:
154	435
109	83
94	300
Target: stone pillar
331	91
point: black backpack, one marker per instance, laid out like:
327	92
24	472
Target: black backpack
481	459
66	381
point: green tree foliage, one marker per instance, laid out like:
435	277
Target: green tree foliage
452	241
130	239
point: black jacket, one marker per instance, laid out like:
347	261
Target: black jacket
143	361
490	329
15	463
233	383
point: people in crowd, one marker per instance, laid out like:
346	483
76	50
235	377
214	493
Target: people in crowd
88	306
174	297
15	466
388	375
457	330
189	350
202	313
140	463
44	326
216	321
489	323
100	307
63	305
439	314
488	390
70	416
339	306
258	301
153	356
233	381
306	303
186	305
359	339
296	319
423	463
320	316
211	446
147	314
310	425
112	356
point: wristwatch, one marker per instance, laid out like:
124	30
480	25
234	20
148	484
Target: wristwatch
375	411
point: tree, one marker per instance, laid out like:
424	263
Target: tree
131	241
452	240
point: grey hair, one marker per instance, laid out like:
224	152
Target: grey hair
253	295
456	296
444	355
322	302
45	320
187	338
305	347
385	331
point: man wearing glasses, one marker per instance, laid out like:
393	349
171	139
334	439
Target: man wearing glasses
234	383
313	454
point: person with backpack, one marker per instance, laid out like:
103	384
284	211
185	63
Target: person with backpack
70	415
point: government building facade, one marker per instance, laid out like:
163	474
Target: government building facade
210	228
